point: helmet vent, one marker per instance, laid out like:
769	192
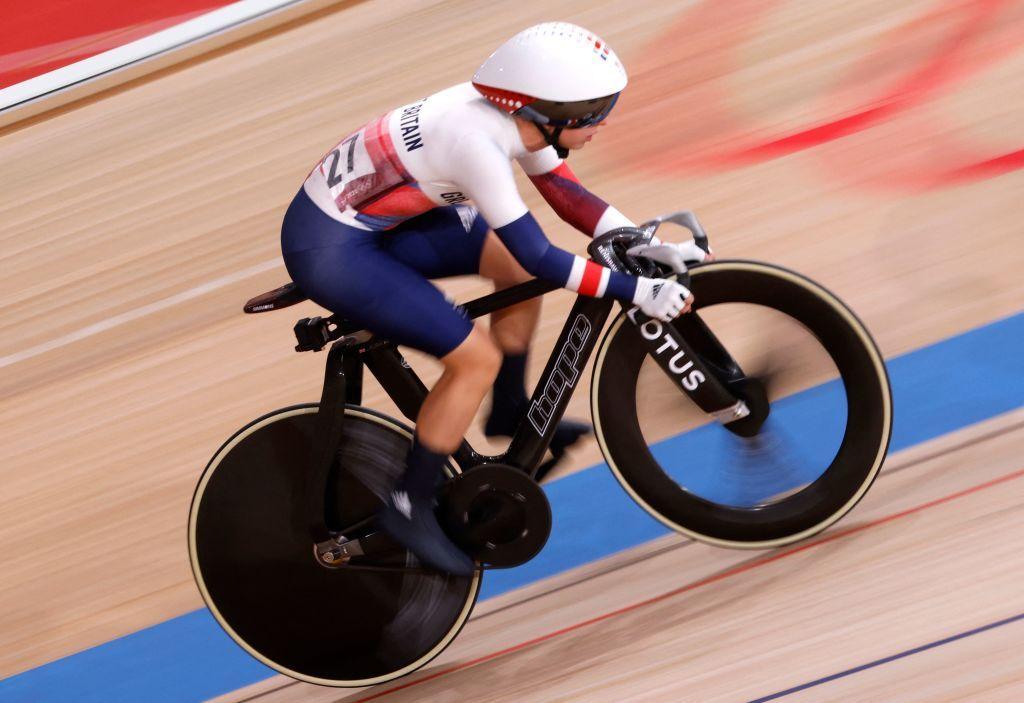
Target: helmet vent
507	100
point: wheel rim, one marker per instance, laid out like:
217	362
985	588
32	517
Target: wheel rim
817	505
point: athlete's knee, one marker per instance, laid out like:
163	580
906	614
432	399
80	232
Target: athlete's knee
478	355
511	274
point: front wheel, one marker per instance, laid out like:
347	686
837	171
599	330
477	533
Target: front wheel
787	346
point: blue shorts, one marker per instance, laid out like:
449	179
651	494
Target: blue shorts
379	279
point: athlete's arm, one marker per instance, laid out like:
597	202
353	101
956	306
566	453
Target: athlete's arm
567	197
591	215
664	299
483	171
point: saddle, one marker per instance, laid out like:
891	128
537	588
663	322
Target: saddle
283	297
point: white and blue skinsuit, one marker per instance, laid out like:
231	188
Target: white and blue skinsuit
386	210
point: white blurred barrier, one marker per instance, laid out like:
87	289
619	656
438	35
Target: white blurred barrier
199	35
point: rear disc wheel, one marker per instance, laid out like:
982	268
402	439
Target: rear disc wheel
252	556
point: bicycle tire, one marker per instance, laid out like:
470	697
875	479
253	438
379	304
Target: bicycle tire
251	556
795	517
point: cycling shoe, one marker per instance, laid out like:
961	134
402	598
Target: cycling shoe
413	524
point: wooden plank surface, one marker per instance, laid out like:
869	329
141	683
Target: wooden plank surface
132	229
677	620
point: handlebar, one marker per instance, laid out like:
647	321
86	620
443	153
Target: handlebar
683	218
610	248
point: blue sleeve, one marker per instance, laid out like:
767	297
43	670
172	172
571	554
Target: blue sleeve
527	243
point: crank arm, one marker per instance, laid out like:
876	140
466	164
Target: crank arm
680	363
338	550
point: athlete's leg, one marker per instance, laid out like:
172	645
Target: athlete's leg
443	419
513	329
350	272
456	241
448	410
453	241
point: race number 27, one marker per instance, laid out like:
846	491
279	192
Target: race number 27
334	158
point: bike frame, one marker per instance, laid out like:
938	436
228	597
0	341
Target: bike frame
699	365
576	343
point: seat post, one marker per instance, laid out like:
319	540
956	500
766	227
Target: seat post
324	444
352	365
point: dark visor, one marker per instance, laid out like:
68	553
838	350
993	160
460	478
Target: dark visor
581	113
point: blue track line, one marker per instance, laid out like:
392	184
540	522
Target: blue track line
886	660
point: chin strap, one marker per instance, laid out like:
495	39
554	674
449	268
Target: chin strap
552	139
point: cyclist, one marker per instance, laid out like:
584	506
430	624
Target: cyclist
387	209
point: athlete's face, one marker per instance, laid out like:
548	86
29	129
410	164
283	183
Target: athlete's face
577	138
533	135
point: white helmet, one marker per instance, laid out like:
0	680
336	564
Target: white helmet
553	73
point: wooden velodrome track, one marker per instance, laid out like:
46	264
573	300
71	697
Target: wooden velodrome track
132	228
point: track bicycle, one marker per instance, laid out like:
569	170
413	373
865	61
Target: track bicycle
758	419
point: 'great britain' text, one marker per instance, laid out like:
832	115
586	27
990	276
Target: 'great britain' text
409	122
